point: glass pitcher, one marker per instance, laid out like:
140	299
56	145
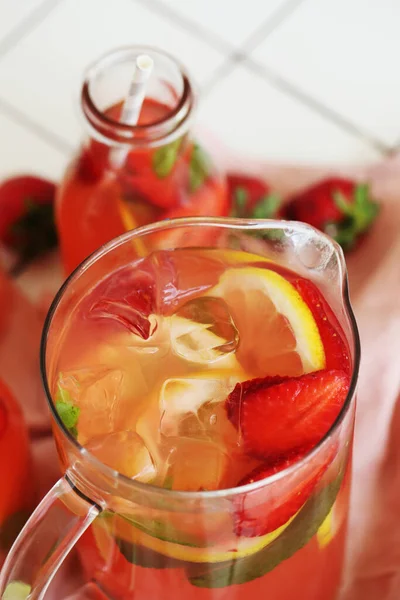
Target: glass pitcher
126	530
126	176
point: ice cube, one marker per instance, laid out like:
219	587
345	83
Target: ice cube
181	273
126	452
108	399
196	464
181	400
203	331
142	360
125	315
127	298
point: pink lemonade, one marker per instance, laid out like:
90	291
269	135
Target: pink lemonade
200	370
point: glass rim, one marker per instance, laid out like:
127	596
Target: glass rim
115	132
219	222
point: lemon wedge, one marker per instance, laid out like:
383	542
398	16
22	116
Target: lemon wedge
278	333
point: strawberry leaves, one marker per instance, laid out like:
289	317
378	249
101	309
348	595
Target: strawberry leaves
199	168
165	157
251	197
27	218
340	207
358	215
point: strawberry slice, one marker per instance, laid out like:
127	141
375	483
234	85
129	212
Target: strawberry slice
278	416
262	519
332	336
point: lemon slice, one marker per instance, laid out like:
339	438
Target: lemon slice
16	590
212	554
325	533
278	333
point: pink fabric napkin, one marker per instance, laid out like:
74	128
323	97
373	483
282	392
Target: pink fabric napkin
373	559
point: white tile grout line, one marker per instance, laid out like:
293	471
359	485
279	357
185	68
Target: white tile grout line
198	30
241	55
270	25
49	137
285	86
7	43
234	56
28	24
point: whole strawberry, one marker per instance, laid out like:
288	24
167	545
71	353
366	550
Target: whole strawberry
251	197
26	217
340	207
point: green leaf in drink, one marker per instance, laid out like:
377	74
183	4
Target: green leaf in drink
199	168
165	157
67	411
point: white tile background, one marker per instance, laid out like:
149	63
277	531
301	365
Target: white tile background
308	81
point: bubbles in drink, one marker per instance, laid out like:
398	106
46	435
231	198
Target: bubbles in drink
126	452
203	331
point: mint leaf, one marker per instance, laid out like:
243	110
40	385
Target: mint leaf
165	157
297	535
199	168
67	411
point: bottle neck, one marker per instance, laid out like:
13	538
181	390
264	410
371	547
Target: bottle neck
167	111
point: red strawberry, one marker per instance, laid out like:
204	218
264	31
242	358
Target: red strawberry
3	418
251	521
251	197
341	208
286	415
234	403
333	339
4	400
26	216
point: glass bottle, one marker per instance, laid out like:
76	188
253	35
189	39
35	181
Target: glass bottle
126	176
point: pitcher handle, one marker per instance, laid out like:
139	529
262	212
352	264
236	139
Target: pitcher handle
53	529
